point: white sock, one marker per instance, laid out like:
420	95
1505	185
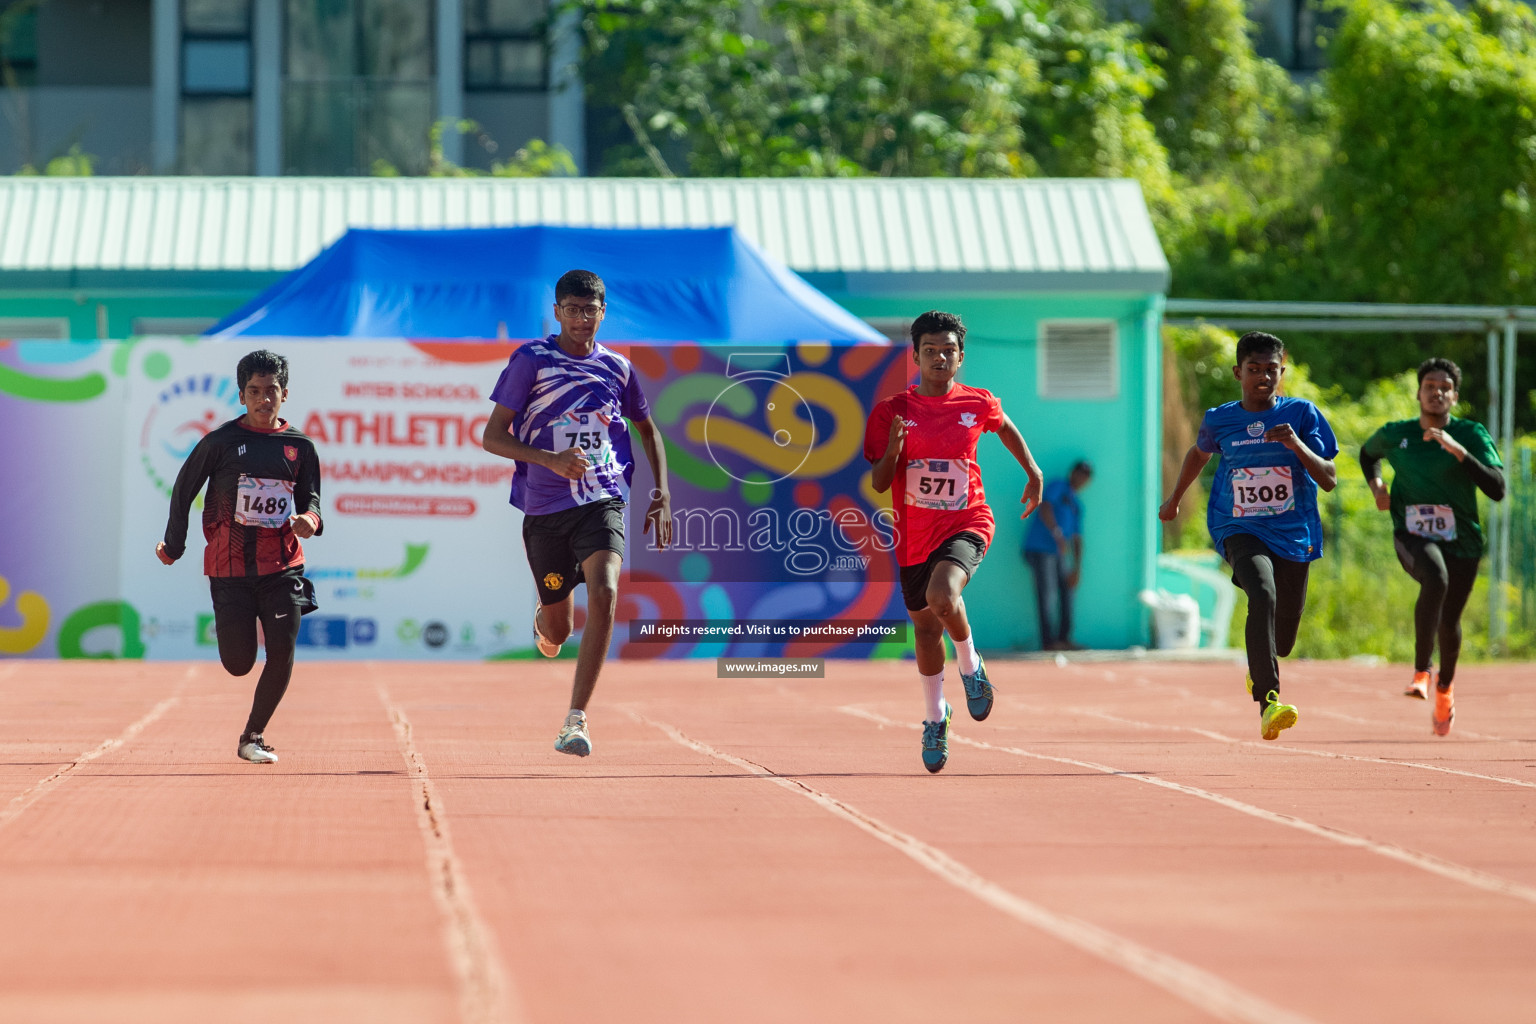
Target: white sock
933	696
965	654
578	713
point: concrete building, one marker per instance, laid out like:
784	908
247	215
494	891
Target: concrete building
270	87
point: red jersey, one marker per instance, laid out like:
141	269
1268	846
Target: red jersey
937	491
256	479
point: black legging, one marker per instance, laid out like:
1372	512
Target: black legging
1445	583
1277	595
237	604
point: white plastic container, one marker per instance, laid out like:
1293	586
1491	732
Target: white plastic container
1175	619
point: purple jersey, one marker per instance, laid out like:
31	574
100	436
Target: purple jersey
563	401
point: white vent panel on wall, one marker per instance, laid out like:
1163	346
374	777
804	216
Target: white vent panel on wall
1078	359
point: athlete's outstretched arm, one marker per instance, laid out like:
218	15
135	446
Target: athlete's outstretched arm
659	514
1487	478
1318	468
498	439
884	470
1194	462
189	484
1014	442
1370	465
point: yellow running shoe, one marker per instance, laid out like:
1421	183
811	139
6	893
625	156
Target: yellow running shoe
1445	710
1422	681
1276	716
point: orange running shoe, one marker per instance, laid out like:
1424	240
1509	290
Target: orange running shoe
1445	710
1422	681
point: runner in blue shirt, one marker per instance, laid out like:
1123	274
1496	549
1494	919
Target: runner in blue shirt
559	413
1275	453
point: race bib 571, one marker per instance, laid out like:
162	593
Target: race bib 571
943	484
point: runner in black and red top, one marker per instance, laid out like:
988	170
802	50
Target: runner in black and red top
263	494
923	444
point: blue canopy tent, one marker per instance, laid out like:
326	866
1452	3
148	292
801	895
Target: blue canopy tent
669	284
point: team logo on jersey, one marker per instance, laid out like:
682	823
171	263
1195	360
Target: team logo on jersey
290	453
179	417
240	450
967	419
1403	443
1256	428
553	580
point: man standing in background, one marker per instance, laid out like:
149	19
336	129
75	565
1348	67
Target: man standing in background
1053	547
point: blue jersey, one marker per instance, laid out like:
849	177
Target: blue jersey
564	401
1261	488
1067	510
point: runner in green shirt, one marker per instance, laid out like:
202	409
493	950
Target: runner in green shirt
1439	463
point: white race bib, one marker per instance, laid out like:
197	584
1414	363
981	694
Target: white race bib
587	431
263	502
1434	522
943	484
1262	491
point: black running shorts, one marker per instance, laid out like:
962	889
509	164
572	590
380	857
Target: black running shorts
964	549
558	543
248	597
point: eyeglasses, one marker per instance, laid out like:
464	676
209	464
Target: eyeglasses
585	312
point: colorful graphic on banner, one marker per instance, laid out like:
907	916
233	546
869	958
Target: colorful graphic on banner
422	555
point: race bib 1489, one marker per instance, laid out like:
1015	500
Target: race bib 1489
261	501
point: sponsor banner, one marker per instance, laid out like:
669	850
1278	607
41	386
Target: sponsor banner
422	555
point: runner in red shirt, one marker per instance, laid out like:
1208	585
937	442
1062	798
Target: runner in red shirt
923	443
263	494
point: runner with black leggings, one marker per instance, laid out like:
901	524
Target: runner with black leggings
1439	463
263	480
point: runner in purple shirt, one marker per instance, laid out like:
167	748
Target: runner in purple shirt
560	409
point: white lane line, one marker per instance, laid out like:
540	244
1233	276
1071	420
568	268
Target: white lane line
1199	988
485	992
1423	861
31	795
1262	745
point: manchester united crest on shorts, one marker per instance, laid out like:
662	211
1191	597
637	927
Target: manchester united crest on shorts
290	453
553	580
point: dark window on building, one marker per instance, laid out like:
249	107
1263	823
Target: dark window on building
216	77
359	90
504	45
1292	32
18	44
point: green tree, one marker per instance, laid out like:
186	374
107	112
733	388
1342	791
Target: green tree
808	87
1429	197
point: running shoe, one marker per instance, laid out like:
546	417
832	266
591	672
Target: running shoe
1276	716
1445	710
1422	681
546	647
573	738
978	692
936	741
254	749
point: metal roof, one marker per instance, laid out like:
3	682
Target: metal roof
987	232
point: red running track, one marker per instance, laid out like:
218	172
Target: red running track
1114	843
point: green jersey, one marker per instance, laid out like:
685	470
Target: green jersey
1432	495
